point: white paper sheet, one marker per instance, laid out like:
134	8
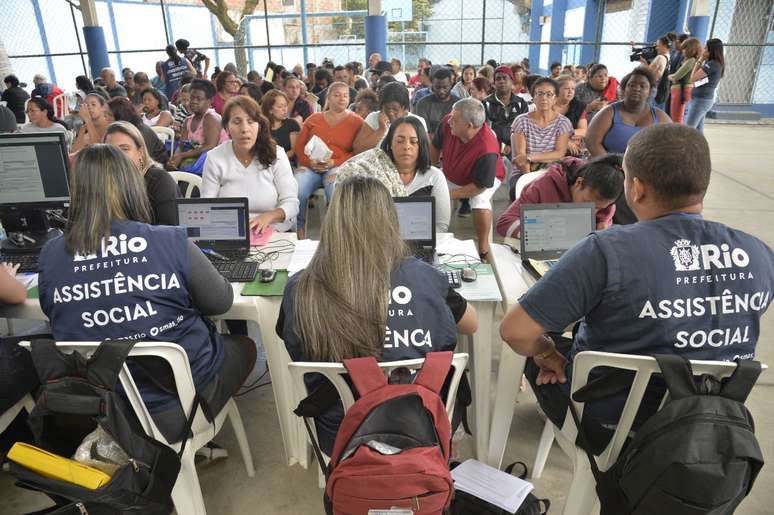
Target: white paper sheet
452	248
302	255
493	486
28	280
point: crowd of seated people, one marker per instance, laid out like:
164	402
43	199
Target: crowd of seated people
449	131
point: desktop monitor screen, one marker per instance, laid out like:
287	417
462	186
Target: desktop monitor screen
34	169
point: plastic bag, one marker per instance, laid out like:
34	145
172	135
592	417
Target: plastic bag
99	450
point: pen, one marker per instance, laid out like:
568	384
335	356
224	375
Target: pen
215	254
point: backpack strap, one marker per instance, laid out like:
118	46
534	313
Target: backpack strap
742	380
434	370
105	364
101	369
365	374
678	375
52	364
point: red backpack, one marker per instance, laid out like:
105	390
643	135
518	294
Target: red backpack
392	448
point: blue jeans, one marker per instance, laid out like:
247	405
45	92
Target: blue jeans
696	111
309	181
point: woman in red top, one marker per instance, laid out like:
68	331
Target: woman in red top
337	128
600	90
599	180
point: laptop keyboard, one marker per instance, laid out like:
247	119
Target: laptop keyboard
425	254
551	262
26	262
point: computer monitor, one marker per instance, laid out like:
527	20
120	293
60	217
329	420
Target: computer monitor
34	170
416	217
549	230
215	223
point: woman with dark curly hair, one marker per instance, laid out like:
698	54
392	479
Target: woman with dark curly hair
123	111
252	165
154	109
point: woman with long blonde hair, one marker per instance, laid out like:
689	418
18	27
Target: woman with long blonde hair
363	294
161	187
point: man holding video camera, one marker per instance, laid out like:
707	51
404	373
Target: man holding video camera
656	58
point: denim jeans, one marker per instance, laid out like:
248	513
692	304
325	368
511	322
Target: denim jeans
696	110
309	181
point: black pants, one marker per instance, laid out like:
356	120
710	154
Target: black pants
555	402
238	360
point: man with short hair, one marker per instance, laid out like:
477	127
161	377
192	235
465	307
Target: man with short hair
556	70
439	102
45	89
471	162
423	63
128	82
373	59
141	83
503	106
395	66
113	88
341	74
673	283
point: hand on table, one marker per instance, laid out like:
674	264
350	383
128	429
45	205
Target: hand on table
257	223
551	369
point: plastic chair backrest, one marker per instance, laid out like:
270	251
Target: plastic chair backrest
61	105
335	372
644	367
177	359
164	134
191	180
526	179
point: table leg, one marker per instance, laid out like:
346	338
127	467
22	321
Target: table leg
481	355
507	389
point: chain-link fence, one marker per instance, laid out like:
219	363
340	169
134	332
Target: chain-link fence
45	36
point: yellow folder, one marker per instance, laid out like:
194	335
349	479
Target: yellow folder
56	467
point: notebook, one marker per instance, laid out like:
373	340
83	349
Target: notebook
416	217
549	230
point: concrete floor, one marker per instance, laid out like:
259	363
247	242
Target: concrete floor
741	195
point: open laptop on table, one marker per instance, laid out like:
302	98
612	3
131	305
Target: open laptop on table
416	217
549	230
220	227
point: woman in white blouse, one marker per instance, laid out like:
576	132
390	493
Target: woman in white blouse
252	165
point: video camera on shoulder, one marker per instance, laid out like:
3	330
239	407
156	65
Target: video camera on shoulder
648	52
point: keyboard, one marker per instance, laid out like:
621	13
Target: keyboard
237	271
454	277
26	262
425	254
551	262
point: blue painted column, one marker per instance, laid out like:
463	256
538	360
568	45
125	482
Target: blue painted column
664	16
115	34
96	47
592	30
558	10
44	40
376	36
698	26
304	35
535	34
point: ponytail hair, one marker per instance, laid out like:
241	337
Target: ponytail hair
172	53
603	174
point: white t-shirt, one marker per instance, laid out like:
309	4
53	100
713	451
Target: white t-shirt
401	77
373	119
265	188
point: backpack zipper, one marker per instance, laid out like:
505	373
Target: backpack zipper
82	508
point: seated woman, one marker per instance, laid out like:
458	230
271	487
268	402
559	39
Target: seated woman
165	282
299	108
402	164
252	165
539	137
573	110
327	315
599	90
393	104
248	89
96	117
154	113
481	88
599	180
611	130
464	86
202	131
42	119
227	84
160	186
284	130
123	110
337	128
366	102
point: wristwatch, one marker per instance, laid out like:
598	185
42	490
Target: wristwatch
545	354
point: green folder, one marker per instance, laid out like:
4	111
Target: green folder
32	293
273	289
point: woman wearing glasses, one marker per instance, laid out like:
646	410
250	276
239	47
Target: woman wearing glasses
541	136
228	86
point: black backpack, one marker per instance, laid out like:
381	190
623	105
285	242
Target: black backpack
698	455
663	87
76	396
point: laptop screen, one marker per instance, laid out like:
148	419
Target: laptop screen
213	220
415	216
554	228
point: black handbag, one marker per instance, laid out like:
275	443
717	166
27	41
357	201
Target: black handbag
467	504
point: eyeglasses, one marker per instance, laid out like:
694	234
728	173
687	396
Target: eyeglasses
546	94
233	82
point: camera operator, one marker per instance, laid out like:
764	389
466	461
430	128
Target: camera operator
657	65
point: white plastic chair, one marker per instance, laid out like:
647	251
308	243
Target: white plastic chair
164	134
191	181
26	402
61	105
335	372
187	493
526	179
582	497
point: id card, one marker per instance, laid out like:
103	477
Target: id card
701	82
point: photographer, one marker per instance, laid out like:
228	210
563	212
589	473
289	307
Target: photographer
657	65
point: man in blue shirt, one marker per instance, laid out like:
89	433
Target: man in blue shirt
671	283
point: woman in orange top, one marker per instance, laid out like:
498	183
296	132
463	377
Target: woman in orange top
337	128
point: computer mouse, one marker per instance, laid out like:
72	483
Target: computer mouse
267	275
468	274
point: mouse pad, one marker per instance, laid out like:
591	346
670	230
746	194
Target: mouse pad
273	289
260	239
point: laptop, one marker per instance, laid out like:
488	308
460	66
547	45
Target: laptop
549	230
220	227
416	217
